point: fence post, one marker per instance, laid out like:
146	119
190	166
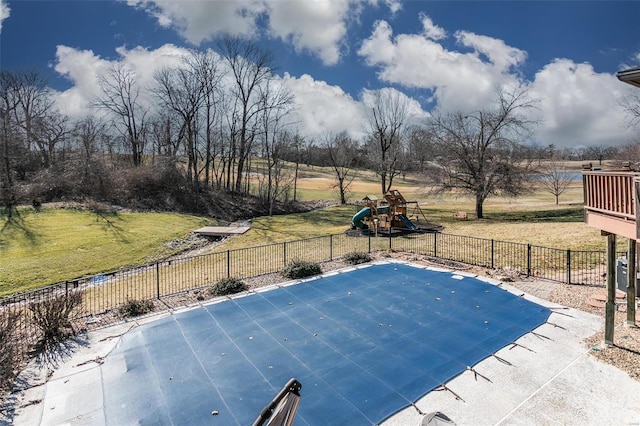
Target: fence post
389	238
568	266
228	263
528	260
435	244
284	253
492	254
331	247
369	235
157	280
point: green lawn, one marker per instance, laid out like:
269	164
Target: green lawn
290	227
55	245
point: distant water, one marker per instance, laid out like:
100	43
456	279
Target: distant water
574	176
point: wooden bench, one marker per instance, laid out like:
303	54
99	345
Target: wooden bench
461	215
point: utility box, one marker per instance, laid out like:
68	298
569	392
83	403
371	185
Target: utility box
621	276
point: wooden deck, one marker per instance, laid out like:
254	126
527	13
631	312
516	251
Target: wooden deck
221	231
610	201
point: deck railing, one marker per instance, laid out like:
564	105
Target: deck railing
610	193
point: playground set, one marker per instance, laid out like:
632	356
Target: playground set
389	216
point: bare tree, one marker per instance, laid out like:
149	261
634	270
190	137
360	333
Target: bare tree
26	109
276	104
182	91
87	132
298	141
629	152
600	152
554	178
119	96
209	71
420	149
631	104
8	105
163	133
342	154
385	125
48	133
34	104
480	152
250	67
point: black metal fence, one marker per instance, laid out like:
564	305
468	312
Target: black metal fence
103	294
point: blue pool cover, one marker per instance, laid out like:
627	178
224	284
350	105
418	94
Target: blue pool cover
364	344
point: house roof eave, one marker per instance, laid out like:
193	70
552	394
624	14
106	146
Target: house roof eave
631	76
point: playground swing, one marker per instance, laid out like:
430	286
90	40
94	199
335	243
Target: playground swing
388	216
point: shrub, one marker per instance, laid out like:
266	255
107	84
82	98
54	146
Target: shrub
135	308
54	316
357	257
228	286
301	269
9	354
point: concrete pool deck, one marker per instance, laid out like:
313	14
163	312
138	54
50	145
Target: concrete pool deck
546	378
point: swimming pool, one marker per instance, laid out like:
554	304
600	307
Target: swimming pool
364	343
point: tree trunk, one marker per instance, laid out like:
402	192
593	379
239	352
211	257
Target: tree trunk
479	203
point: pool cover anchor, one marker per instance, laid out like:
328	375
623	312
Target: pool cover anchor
476	374
444	387
281	411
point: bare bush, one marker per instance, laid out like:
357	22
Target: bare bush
9	353
135	308
54	318
73	179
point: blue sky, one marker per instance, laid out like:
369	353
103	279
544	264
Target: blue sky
441	55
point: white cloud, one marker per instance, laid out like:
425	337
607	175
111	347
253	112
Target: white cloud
394	6
146	62
415	114
496	51
4	12
315	26
459	80
579	106
82	68
198	21
432	31
321	107
318	27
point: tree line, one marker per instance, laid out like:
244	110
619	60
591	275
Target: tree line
222	122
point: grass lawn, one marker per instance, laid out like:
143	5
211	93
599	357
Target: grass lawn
55	245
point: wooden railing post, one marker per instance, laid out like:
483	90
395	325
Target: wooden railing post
631	283
610	306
